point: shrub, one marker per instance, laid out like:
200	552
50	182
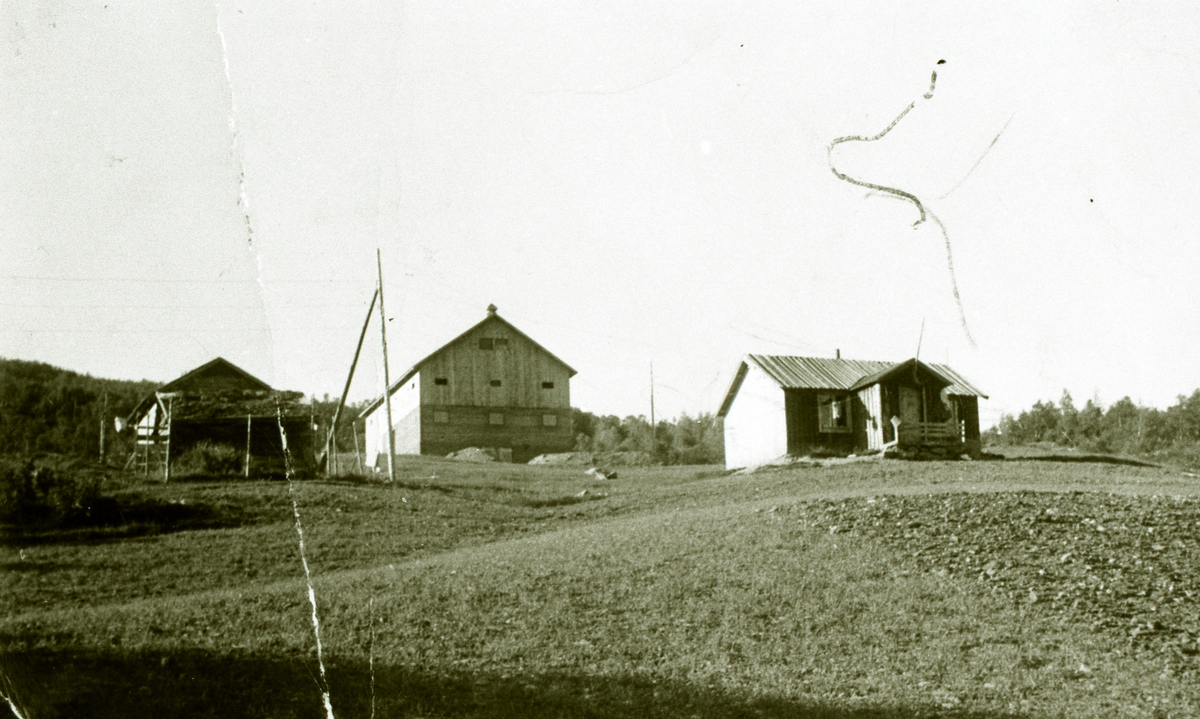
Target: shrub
208	458
32	496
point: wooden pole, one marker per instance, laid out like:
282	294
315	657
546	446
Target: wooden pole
331	443
387	382
167	462
357	455
103	422
247	467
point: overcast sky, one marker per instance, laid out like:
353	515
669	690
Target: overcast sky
629	182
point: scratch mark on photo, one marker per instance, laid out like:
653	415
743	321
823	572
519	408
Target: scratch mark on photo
962	315
977	162
869	185
235	149
908	196
323	682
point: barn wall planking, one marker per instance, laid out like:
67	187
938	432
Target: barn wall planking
521	367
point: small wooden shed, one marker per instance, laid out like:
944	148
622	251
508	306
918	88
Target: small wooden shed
221	403
492	387
785	405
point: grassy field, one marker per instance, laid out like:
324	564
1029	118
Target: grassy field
869	589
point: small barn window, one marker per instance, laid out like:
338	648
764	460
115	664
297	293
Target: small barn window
549	420
834	412
547	385
441	416
496	418
486	343
441	380
495	383
501	341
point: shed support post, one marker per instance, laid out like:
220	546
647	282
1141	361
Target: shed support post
247	467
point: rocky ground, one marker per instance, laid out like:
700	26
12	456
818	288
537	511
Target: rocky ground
1121	564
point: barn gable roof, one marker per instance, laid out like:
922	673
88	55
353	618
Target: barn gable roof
491	317
791	372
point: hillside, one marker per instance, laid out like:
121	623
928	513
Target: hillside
870	589
47	409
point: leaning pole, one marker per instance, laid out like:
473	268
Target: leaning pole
387	381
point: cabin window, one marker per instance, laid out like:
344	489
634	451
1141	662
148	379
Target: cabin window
501	341
549	420
496	418
834	411
486	343
441	416
441	380
495	383
547	385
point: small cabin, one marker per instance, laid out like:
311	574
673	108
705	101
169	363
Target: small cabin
492	387
784	405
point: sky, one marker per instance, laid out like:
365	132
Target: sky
631	183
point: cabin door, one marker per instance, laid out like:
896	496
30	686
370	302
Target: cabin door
910	405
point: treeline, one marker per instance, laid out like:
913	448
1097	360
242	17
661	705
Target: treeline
1172	434
687	440
45	409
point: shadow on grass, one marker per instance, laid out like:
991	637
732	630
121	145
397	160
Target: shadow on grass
115	518
1092	458
66	683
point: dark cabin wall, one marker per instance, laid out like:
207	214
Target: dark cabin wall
803	420
968	412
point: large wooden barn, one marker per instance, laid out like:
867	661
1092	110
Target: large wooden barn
783	405
491	387
222	404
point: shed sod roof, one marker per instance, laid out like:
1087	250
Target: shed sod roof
791	372
241	394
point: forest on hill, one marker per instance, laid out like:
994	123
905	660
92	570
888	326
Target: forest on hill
1170	435
46	409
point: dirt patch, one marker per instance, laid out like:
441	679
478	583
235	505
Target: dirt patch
471	454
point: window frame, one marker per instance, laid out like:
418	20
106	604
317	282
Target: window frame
832	406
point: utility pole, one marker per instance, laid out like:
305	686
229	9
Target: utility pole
653	424
387	381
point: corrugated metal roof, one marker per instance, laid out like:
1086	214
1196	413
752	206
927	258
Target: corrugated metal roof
825	373
816	372
959	384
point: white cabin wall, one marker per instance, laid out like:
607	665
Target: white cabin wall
756	425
